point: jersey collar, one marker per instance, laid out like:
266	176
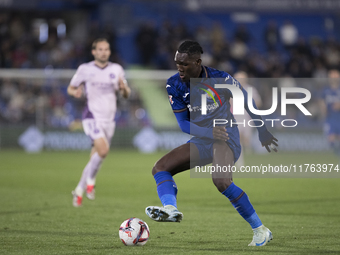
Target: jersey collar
204	72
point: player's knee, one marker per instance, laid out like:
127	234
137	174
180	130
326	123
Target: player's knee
158	167
222	184
220	145
102	152
154	170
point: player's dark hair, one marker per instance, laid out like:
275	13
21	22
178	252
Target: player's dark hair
94	44
191	48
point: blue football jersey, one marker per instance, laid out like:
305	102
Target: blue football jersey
332	96
184	96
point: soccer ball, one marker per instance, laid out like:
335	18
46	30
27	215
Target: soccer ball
134	231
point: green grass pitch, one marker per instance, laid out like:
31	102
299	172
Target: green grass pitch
37	217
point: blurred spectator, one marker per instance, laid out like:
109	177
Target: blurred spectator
164	59
332	54
21	48
166	44
146	42
14	110
289	35
271	35
8	90
217	39
4	26
320	70
287	81
242	34
181	32
303	48
16	28
202	35
238	51
44	102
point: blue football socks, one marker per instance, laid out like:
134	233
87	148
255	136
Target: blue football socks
240	201
166	188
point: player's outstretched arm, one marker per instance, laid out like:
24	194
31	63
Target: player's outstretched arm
266	138
124	88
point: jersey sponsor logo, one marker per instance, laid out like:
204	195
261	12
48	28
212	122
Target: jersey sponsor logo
170	99
209	107
101	84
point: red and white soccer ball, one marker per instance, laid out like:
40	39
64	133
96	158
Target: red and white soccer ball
134	231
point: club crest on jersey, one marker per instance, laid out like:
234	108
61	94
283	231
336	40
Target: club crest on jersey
170	99
211	94
112	75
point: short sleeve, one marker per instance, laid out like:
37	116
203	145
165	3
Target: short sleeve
79	77
175	99
228	79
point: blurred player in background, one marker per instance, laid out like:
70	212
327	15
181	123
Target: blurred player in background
246	132
100	80
330	105
219	145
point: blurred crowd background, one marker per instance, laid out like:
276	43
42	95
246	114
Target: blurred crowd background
144	35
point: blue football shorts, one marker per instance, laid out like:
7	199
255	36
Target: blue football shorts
332	128
205	145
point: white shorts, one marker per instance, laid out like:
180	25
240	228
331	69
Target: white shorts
95	129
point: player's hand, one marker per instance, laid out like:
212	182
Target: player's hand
121	85
268	140
336	106
220	133
124	88
78	92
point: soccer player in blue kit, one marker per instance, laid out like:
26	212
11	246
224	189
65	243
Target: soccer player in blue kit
331	108
219	145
